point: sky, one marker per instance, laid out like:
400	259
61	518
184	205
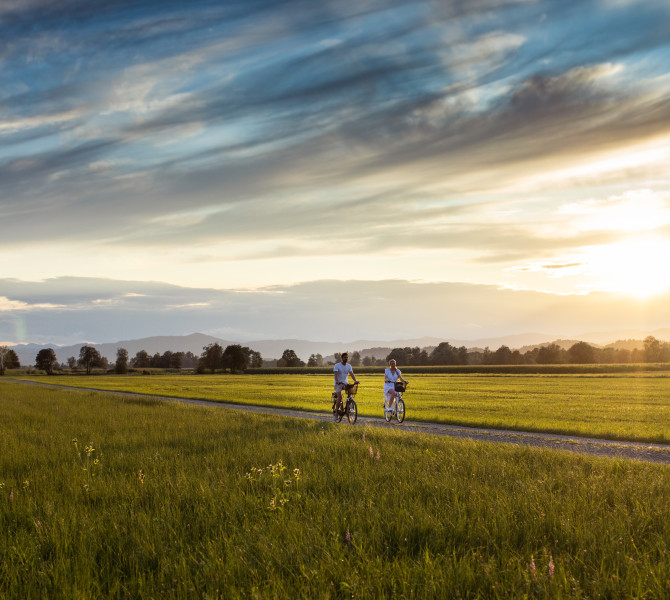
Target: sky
333	170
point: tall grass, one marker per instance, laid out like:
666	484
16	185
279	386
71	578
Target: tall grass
623	407
187	501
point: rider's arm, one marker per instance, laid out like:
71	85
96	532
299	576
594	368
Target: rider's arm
354	376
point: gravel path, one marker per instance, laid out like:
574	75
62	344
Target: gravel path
643	451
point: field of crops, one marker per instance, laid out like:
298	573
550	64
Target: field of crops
619	406
116	497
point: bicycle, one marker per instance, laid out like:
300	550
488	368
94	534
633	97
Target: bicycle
350	408
397	409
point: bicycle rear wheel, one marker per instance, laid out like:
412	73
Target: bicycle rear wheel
400	412
352	411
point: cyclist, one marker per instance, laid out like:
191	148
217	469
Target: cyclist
341	372
391	375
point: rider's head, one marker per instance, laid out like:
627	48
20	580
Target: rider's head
392	363
345	357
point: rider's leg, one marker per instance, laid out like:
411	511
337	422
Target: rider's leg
338	402
390	399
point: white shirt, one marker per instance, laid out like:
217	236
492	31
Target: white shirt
342	372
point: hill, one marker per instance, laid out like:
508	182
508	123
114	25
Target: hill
273	349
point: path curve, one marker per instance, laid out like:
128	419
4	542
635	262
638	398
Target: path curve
643	451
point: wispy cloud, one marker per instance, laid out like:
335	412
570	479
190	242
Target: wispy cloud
479	136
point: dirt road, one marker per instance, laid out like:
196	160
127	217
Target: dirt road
659	453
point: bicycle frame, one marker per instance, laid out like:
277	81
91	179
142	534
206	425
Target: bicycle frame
397	408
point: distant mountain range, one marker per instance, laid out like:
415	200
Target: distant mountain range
272	349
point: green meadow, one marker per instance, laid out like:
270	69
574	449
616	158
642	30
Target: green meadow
626	406
103	496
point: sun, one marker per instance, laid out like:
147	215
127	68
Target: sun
633	267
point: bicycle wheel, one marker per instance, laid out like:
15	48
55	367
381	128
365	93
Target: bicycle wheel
400	412
388	414
352	411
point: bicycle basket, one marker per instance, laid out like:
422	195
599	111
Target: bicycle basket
400	386
351	388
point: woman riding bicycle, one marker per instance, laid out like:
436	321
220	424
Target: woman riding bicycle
391	375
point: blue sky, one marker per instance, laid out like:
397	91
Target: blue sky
252	149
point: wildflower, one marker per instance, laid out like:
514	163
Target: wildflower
11	497
347	537
141	476
378	457
551	568
296	473
532	566
364	437
272	504
372	454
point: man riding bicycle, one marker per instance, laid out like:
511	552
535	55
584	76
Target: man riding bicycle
341	372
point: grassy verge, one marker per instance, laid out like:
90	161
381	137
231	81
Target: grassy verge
624	407
167	501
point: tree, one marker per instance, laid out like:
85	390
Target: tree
121	365
212	357
581	353
315	360
290	359
8	359
255	359
89	357
652	349
142	360
235	358
502	356
175	360
551	354
45	360
356	359
399	355
189	360
446	354
72	362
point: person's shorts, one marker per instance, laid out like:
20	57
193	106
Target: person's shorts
339	387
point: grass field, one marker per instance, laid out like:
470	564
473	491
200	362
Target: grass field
622	406
161	500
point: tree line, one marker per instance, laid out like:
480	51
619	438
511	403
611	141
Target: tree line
235	358
238	358
653	351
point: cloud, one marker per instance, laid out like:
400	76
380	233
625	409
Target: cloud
257	130
17	306
327	310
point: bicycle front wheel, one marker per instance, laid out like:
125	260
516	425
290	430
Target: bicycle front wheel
400	412
352	411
